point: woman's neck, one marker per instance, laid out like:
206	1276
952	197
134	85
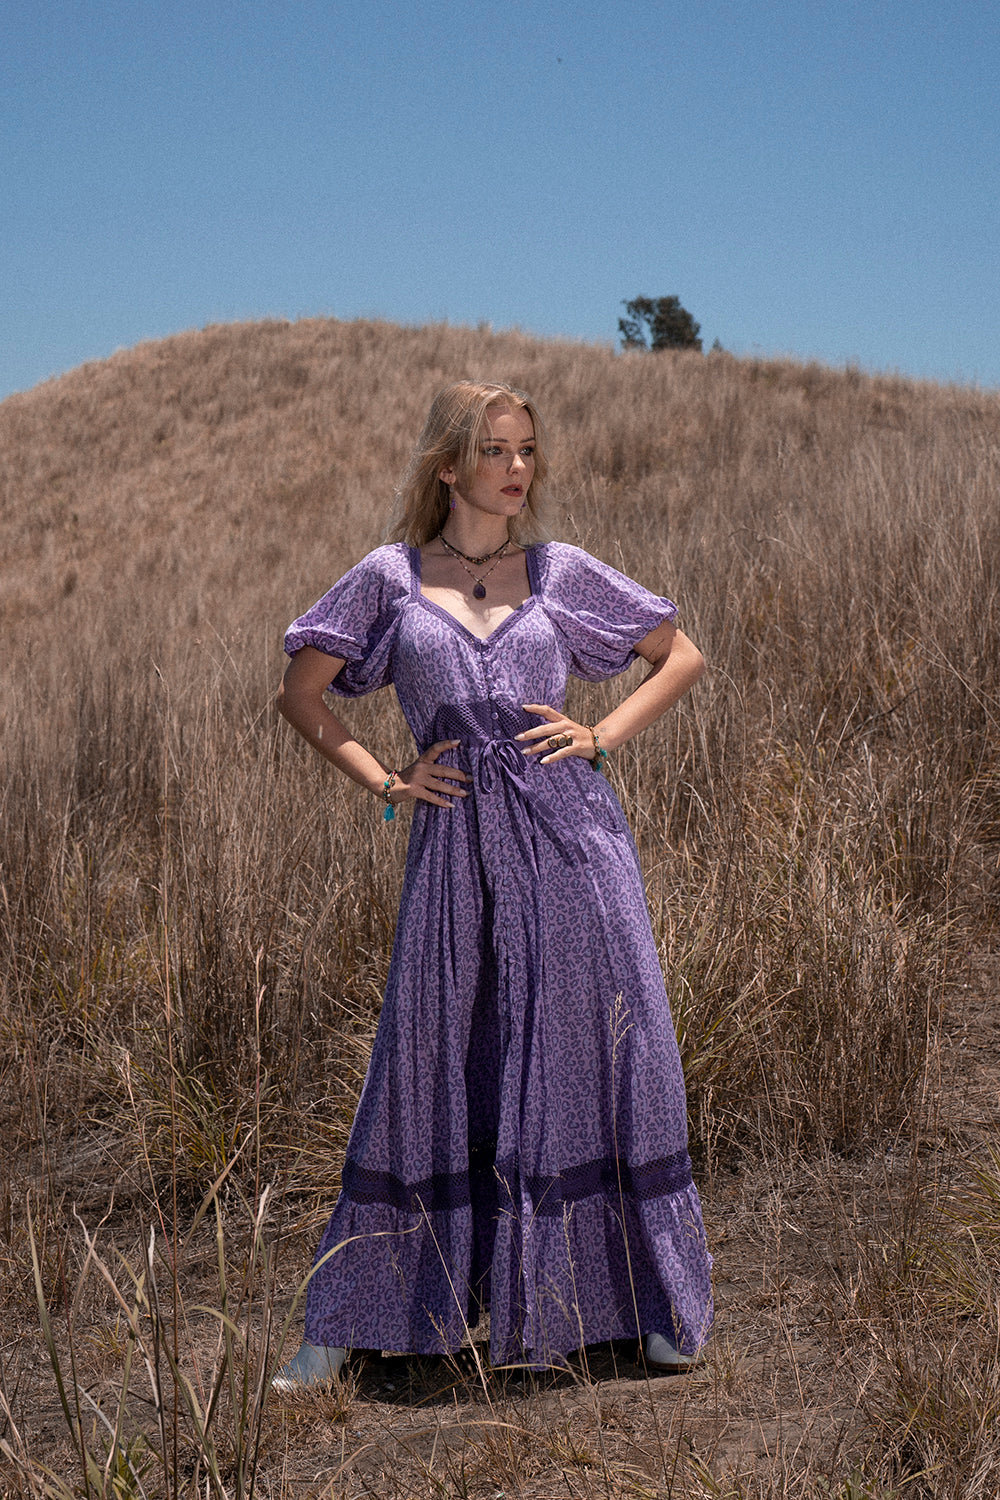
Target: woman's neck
475	534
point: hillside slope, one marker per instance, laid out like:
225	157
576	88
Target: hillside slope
249	463
196	915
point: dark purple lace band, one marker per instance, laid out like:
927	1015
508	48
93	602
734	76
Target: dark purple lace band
446	1191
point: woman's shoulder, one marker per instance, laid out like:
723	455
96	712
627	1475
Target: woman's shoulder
577	579
374	582
600	612
389	560
560	555
361	609
562	561
389	564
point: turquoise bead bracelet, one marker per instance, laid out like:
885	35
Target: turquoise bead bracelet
387	786
600	754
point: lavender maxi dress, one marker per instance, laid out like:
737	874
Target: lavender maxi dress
521	1140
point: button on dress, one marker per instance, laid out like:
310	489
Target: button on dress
520	1145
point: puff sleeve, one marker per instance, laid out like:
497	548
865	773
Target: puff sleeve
358	619
599	613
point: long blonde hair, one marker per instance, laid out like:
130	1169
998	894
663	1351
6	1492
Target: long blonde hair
451	439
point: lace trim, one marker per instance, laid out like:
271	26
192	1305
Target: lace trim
441	1191
609	1178
447	1191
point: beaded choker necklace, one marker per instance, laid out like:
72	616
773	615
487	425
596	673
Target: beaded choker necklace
479	587
477	561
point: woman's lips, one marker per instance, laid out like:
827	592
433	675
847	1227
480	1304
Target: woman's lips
514	489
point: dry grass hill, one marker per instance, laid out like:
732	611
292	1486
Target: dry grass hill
195	919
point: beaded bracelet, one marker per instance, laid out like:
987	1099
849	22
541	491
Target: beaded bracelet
600	754
387	786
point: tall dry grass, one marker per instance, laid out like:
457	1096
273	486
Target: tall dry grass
196	916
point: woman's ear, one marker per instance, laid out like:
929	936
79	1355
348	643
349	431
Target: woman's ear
447	476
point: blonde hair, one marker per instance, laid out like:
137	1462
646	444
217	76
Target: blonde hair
451	439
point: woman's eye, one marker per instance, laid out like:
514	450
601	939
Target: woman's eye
491	451
527	452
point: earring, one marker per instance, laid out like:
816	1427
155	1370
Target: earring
524	502
451	499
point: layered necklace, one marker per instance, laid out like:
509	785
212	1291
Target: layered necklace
479	587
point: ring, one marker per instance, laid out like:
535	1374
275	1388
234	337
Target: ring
560	741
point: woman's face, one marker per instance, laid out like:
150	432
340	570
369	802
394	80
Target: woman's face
506	464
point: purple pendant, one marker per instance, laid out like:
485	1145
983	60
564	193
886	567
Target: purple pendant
479	592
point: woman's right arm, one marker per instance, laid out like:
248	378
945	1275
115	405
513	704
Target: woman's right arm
301	701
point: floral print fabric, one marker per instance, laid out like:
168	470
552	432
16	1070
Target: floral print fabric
520	1144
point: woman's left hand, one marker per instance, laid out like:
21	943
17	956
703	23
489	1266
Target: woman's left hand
556	726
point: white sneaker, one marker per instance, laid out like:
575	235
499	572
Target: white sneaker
313	1365
662	1354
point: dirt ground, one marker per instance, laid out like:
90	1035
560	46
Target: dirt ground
781	1394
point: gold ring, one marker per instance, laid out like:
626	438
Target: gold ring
555	741
560	741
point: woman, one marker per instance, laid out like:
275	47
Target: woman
520	1144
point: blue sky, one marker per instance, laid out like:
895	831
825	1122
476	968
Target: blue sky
813	179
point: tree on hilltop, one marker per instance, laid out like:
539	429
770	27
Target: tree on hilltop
658	323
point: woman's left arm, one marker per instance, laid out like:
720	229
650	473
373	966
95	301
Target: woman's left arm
676	666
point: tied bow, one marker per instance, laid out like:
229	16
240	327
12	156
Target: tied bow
494	760
500	765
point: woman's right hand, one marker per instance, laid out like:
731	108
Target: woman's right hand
427	781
